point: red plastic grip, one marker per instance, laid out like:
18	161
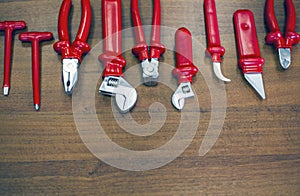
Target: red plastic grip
156	48
79	46
112	35
185	69
247	42
214	47
9	27
141	47
275	36
35	38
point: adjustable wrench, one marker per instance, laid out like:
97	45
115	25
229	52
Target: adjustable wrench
113	83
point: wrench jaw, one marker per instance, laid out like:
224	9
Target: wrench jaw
183	91
70	74
150	71
125	95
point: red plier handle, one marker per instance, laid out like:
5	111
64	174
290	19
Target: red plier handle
275	36
79	46
185	69
112	35
141	47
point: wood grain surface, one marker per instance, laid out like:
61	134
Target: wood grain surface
256	153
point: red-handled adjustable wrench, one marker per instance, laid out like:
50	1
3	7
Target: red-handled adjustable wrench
35	38
214	47
185	69
250	60
150	62
9	27
72	53
113	83
275	37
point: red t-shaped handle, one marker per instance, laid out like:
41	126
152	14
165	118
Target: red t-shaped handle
35	38
8	27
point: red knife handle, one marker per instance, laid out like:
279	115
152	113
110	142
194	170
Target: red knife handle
9	27
112	35
214	47
185	69
35	38
247	42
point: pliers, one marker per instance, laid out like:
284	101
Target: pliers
113	82
185	69
149	62
72	53
282	44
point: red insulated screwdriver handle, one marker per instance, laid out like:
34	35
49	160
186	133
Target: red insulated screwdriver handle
156	48
247	42
141	47
9	27
35	38
185	69
112	35
214	47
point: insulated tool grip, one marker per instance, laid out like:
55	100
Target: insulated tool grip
79	46
35	38
112	35
214	47
275	36
156	49
247	42
291	36
9	27
141	47
185	69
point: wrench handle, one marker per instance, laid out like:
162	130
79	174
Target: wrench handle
9	27
35	38
214	47
247	42
112	35
185	69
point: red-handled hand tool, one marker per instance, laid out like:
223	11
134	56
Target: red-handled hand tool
248	50
9	27
72	53
214	47
283	44
150	62
185	69
113	83
35	38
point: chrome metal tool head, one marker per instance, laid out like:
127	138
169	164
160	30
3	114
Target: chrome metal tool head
183	91
218	72
125	95
284	57
70	74
150	72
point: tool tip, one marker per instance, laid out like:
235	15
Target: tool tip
36	107
218	72
5	90
256	81
284	57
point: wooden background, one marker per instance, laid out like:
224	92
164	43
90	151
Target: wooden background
257	152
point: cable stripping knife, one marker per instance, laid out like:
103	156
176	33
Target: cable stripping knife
214	47
250	61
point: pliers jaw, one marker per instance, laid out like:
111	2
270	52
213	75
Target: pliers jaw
125	95
183	91
70	74
150	72
284	57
